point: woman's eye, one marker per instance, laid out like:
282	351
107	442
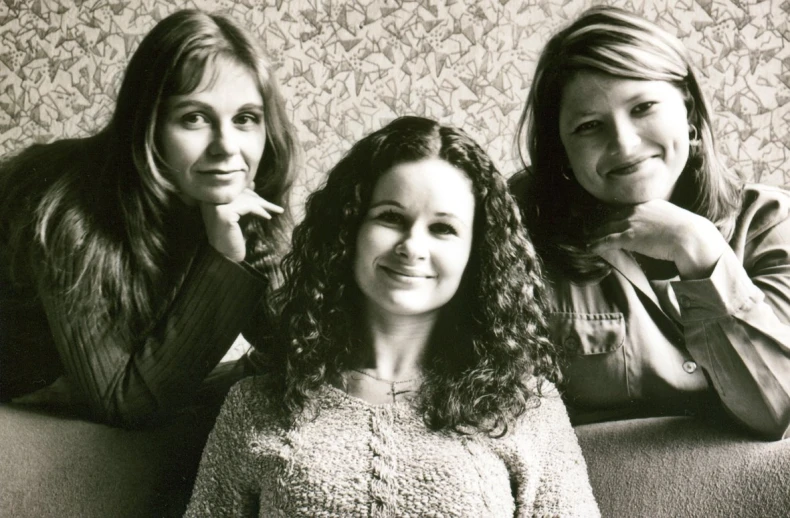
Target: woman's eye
644	107
194	119
586	126
248	119
390	216
443	229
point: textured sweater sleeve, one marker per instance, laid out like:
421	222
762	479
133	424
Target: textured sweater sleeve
225	484
563	486
127	379
737	322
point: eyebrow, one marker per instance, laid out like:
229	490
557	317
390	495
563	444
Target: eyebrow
400	206
187	103
585	113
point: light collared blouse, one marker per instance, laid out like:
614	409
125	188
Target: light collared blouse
672	346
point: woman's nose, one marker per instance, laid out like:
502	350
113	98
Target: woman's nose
223	141
413	246
625	136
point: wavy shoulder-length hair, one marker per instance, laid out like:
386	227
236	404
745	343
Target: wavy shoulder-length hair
99	211
490	338
612	41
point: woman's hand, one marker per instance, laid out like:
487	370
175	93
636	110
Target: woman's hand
662	230
222	222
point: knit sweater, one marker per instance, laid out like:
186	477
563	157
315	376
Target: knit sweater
359	459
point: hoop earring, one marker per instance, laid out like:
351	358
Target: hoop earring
694	140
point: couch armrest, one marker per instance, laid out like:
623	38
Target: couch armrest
57	466
684	466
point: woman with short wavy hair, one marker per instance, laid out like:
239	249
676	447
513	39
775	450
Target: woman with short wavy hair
670	276
132	259
411	374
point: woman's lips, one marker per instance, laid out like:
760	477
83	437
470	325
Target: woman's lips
405	275
218	172
629	168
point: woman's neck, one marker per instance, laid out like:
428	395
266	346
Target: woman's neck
397	345
390	367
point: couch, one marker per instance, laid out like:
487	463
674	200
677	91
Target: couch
59	466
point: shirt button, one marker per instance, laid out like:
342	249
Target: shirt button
684	301
690	366
572	343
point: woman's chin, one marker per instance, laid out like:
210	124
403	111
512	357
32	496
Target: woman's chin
215	196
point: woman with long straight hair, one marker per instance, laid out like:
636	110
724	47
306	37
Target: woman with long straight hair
670	276
131	260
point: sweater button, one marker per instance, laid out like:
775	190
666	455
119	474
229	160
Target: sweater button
690	366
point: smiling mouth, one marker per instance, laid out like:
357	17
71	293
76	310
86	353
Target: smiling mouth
628	168
218	172
397	274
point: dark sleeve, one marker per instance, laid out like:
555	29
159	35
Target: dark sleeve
127	379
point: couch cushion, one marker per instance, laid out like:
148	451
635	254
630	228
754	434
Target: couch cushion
56	466
683	466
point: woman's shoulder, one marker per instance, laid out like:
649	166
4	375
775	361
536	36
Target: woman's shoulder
763	207
252	401
256	388
543	424
764	193
546	410
35	170
56	154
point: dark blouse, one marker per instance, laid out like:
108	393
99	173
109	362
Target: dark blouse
122	376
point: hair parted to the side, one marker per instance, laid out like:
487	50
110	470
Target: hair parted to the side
557	209
490	338
100	206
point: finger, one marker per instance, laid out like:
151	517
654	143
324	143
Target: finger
612	241
257	210
264	202
609	227
272	207
254	206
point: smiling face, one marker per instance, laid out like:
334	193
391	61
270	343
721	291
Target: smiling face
212	139
415	240
627	141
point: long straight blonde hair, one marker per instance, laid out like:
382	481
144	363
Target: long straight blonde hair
92	218
621	44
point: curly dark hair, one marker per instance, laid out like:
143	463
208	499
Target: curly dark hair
490	339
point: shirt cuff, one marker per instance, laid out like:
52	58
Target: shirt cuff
241	272
728	291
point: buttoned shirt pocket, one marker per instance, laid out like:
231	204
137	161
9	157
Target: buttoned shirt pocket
596	370
588	333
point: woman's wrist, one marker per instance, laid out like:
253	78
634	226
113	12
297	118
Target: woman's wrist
699	250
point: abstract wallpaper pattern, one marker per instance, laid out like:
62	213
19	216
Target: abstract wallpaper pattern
348	67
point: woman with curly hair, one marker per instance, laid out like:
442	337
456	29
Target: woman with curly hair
131	260
670	276
411	375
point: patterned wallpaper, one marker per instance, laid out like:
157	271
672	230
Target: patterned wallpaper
348	67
